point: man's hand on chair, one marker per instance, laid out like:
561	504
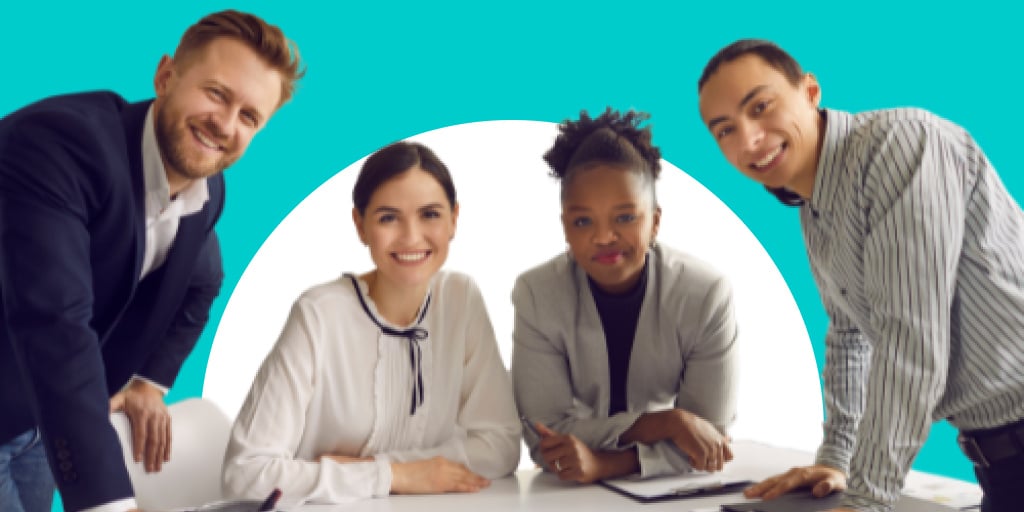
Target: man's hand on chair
150	422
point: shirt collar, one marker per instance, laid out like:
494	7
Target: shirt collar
158	190
827	177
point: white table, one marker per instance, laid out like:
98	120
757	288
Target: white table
535	490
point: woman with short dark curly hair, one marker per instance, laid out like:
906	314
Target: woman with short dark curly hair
625	354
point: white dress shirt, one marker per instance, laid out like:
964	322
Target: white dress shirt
163	214
336	384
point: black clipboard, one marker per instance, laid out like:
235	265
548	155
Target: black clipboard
700	492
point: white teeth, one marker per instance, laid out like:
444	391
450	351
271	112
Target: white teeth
205	140
768	158
410	256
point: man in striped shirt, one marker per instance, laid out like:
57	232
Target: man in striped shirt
918	252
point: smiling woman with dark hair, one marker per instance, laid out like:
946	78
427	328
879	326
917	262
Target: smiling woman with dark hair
625	350
385	382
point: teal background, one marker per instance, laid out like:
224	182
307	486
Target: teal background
386	71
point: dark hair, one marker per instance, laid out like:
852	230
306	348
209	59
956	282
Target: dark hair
610	138
786	196
775	57
393	160
268	41
768	51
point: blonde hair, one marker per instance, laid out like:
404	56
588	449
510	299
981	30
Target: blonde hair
268	41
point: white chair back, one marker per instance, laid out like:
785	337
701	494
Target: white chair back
199	436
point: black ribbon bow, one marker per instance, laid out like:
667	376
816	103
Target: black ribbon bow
414	335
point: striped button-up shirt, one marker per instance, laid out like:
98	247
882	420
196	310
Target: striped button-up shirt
918	252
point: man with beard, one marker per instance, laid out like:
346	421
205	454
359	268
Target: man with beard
108	257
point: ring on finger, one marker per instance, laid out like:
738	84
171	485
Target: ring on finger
558	465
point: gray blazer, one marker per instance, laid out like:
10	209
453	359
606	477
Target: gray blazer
684	354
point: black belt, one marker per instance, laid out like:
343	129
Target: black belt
985	447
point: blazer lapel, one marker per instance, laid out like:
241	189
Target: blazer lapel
593	380
134	118
647	335
181	258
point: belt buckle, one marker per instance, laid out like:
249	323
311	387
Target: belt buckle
970	447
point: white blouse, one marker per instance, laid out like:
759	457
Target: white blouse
336	384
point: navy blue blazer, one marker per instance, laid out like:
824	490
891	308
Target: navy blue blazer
76	322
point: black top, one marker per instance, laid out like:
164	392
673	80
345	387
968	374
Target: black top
619	315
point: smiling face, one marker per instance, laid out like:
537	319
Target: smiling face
764	125
408	225
609	220
209	107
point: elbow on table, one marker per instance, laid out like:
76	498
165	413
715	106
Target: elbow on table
501	460
240	480
510	457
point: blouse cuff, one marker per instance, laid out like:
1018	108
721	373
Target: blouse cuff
384	476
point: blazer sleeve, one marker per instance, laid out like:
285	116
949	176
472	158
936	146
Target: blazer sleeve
163	364
542	382
46	194
711	375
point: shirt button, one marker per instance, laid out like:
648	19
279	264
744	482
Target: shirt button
842	291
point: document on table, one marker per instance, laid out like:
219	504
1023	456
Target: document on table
678	486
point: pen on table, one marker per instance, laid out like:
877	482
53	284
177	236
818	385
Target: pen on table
694	489
271	501
717	486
